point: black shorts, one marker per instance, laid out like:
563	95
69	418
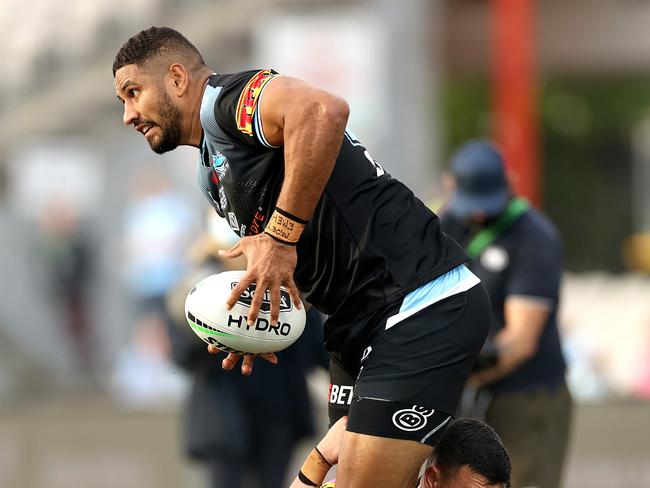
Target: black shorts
410	377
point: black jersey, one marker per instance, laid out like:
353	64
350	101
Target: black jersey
370	240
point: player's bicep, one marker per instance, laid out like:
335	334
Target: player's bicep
290	98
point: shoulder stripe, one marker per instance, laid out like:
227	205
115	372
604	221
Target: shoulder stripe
257	120
247	103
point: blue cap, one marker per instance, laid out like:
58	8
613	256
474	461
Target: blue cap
481	182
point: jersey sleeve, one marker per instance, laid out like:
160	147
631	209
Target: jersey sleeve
237	108
536	270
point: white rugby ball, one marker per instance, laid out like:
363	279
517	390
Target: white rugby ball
207	315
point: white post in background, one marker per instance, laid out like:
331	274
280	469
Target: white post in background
412	146
382	59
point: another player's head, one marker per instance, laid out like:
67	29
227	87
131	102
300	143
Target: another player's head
480	189
469	455
155	72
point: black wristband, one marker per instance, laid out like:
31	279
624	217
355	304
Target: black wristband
322	457
291	216
305	480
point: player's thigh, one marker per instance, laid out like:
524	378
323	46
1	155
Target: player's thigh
368	462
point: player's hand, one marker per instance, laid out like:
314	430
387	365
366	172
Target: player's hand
231	360
270	265
330	445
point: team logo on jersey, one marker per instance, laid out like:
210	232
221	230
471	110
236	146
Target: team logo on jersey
495	259
410	419
219	165
247	103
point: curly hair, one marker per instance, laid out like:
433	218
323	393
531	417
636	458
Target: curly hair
157	43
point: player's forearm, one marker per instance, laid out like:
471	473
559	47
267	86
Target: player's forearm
313	470
312	139
322	457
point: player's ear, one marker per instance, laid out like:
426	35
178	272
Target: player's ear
431	477
178	79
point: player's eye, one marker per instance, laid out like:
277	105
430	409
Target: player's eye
134	92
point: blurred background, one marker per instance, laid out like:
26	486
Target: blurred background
89	394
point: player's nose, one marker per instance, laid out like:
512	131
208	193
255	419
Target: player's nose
130	114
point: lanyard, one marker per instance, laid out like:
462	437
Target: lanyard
488	235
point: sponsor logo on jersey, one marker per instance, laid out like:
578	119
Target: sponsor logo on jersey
256	225
410	419
223	201
246	298
340	394
248	99
232	218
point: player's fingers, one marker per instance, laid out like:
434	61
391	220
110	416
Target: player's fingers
229	362
247	364
254	308
270	357
212	349
275	304
295	294
236	292
234	252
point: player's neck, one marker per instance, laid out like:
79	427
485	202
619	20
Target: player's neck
195	130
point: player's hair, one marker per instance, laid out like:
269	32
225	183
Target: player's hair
158	43
472	443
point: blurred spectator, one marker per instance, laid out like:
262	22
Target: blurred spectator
65	248
144	376
158	229
517	253
239	425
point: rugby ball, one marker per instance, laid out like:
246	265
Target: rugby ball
207	315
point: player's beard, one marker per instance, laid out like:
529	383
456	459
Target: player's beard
169	137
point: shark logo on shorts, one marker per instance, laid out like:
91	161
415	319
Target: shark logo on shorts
410	419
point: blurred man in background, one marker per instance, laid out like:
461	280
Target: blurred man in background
158	227
517	253
67	254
